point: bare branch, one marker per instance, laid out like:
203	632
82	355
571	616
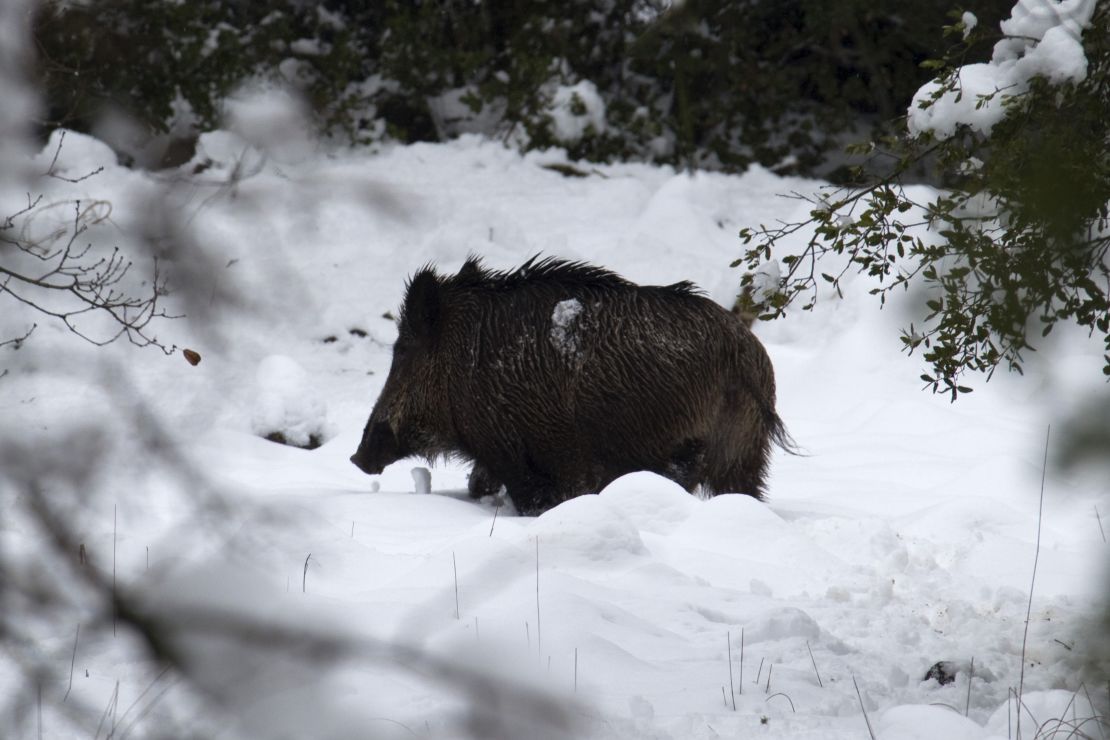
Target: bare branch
17	342
91	286
53	162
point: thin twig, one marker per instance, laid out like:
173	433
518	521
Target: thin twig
107	710
784	696
72	662
731	686
1100	529
870	730
741	661
811	660
1022	705
455	568
304	574
1033	579
770	670
970	676
139	698
1091	703
50	170
495	510
1009	722
148	708
17	342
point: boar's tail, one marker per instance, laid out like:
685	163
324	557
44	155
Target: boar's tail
778	432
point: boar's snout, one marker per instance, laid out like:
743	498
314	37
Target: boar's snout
379	447
365	465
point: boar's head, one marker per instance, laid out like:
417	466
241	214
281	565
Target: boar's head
408	418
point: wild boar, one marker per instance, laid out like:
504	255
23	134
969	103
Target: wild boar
558	377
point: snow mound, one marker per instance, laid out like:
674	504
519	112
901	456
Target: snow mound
287	408
782	624
650	502
926	722
719	521
587	530
1045	713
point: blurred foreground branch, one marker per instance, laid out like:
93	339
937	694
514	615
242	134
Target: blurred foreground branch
60	276
210	661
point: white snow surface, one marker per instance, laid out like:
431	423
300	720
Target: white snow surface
1043	38
904	535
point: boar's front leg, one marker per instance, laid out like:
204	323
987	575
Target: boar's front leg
530	494
482	482
531	491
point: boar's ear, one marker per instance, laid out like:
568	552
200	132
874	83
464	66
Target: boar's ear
422	303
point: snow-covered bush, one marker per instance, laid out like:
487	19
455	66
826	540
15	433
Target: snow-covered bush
1019	240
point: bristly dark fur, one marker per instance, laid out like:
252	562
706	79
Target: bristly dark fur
550	271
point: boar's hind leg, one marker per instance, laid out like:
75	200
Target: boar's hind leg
744	473
482	482
686	465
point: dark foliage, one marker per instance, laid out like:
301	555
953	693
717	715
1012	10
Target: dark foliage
704	84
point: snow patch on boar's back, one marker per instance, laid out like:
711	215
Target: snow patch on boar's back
564	322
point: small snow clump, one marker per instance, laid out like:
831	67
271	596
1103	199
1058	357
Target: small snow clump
970	22
422	480
287	408
574	110
766	281
272	118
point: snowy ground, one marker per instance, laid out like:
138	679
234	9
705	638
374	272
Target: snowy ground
905	536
